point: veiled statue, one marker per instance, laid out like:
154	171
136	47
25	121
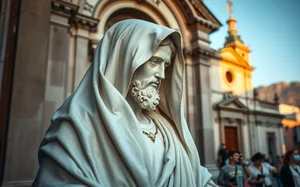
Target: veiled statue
124	125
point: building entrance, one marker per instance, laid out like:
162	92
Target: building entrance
231	138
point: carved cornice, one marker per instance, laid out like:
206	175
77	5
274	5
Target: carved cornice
85	22
268	124
249	112
201	8
64	8
203	16
267	114
192	19
76	19
230	109
202	51
232	121
198	51
207	23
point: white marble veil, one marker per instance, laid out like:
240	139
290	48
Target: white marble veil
94	138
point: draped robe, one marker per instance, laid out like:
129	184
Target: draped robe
94	138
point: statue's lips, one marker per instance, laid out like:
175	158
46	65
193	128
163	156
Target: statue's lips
154	84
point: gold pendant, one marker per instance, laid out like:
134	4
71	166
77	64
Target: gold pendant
152	137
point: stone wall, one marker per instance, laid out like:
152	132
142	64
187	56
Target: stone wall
26	113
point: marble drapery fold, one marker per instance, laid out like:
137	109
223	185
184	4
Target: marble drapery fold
94	138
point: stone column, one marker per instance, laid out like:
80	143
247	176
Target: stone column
4	22
281	138
81	39
8	36
57	67
81	61
204	135
26	107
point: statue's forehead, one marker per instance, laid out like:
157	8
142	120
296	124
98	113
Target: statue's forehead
163	52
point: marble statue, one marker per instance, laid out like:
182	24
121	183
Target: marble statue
124	125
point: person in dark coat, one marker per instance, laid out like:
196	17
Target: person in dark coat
290	172
222	156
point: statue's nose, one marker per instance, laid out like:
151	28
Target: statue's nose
160	72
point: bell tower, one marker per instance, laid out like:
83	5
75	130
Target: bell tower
234	67
233	39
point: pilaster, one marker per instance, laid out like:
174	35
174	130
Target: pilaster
81	61
26	107
200	90
79	27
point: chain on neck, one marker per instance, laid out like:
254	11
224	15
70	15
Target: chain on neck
151	135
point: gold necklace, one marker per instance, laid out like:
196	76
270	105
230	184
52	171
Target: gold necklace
150	134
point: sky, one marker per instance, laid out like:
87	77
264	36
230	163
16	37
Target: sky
272	30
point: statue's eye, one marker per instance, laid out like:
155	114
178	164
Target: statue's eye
167	64
153	62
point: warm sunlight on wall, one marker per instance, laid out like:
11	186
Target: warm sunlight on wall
293	111
288	109
290	123
235	73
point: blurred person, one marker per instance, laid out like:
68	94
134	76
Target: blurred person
278	163
290	172
297	152
247	171
234	173
222	156
261	172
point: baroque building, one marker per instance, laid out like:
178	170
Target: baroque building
47	46
241	120
291	126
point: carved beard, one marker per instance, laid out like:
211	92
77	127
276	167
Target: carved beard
145	95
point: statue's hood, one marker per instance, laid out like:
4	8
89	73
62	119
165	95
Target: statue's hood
126	46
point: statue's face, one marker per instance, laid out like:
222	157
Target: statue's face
147	78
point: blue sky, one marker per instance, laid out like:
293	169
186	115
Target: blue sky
272	30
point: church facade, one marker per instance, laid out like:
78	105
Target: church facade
50	45
241	120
